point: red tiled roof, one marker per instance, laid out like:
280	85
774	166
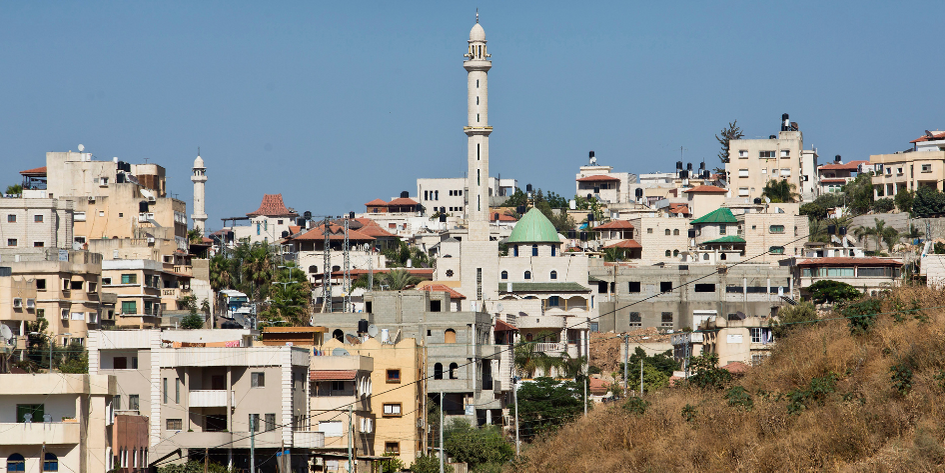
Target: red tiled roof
272	206
421	272
598	178
501	217
336	232
366	222
598	386
401	201
625	244
615	225
443	288
375	231
849	260
851	166
34	172
706	189
838	180
678	208
293	229
502	326
376	203
333	375
936	136
736	367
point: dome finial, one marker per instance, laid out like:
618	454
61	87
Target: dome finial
477	14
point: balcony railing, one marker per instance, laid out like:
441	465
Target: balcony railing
40	433
307	439
550	347
210	398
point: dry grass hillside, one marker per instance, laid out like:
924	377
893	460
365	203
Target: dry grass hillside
826	400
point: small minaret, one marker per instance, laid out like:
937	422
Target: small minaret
199	178
477	65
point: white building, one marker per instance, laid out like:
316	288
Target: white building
448	195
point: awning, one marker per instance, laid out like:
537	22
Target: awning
333	375
501	326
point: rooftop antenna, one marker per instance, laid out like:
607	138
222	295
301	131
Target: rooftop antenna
477	15
145	160
198	151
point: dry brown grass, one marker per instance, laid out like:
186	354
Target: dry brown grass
866	425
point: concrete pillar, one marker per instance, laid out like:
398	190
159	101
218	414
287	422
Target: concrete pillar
229	399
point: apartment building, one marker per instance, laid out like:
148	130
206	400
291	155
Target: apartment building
604	185
57	422
35	223
340	405
207	390
673	297
871	275
832	177
734	339
144	288
448	195
663	239
754	162
907	170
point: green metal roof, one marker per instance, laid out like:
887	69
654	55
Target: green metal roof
725	239
720	215
543	287
534	227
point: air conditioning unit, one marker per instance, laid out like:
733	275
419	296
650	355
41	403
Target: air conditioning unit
150	240
92	199
31	303
92	318
17	302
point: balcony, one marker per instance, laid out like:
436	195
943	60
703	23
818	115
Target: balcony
210	398
39	433
307	439
550	348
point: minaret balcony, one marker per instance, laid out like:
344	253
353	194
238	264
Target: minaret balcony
477	130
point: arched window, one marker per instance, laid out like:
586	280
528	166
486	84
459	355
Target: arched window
553	275
722	256
50	462
16	462
676	232
453	368
313	269
667	232
436	195
338	335
335	268
705	256
554	250
449	336
528	274
505	274
675	252
668	253
534	250
438	371
515	250
529	337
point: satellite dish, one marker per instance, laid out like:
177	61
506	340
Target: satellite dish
767	200
339	352
499	307
6	333
81	147
372	330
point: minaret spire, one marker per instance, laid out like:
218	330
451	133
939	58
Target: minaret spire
477	15
477	129
199	178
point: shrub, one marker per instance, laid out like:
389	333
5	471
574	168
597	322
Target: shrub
428	464
901	377
861	315
739	398
636	405
883	205
815	392
707	374
827	290
689	413
791	317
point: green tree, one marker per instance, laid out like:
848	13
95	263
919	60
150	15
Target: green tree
392	464
517	199
478	447
818	208
904	199
195	235
859	193
780	190
791	317
397	279
258	268
830	291
729	133
706	373
546	404
74	359
290	298
880	232
15	189
928	201
662	362
428	464
883	205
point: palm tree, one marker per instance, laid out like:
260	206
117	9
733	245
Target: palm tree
195	235
913	233
258	268
398	279
291	297
780	190
880	232
612	255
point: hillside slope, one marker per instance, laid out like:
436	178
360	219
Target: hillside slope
825	400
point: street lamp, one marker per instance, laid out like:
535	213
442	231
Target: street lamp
50	346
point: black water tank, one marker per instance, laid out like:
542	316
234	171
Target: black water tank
528	187
692	233
362	326
300	222
285	234
597	189
831	229
590	217
772	137
590	154
583	236
350	214
590	196
684	174
678	165
143	207
307	215
520	209
757	200
120	178
836	158
404	195
572	234
843	231
442	217
689	166
638	192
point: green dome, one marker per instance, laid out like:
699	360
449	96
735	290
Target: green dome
534	227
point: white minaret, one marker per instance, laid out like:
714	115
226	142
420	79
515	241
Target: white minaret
199	177
477	65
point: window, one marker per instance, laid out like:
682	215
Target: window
554	250
393	376
129	279
742	191
743	153
259	380
667	320
16	462
926	168
390	448
453	368
39	244
438	371
675	253
514	250
254	422
666	286
633	286
11	241
528	274
436	306
75	285
50	462
554	301
133	402
270	422
41	313
723	229
705	287
785	172
449	273
78	216
40	284
175	424
449	336
93	287
38	218
392	410
11	218
121	363
176	389
505	274
766	154
553	274
534	250
776	250
116	403
776	229
337	385
165	391
756	336
668	232
129	307
635	319
742	173
676	232
785	153
668	253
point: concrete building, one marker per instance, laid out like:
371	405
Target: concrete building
701	200
601	183
832	177
145	290
199	178
35	223
57	422
737	339
871	275
911	169
268	222
663	239
203	389
754	162
340	404
673	297
448	195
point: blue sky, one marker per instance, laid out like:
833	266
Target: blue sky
334	104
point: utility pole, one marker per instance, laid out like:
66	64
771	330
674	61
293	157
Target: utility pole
626	361
515	394
252	444
584	383
442	450
350	408
641	376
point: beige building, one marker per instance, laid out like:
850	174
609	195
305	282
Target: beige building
340	404
57	422
752	163
747	340
145	289
35	223
664	239
894	172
